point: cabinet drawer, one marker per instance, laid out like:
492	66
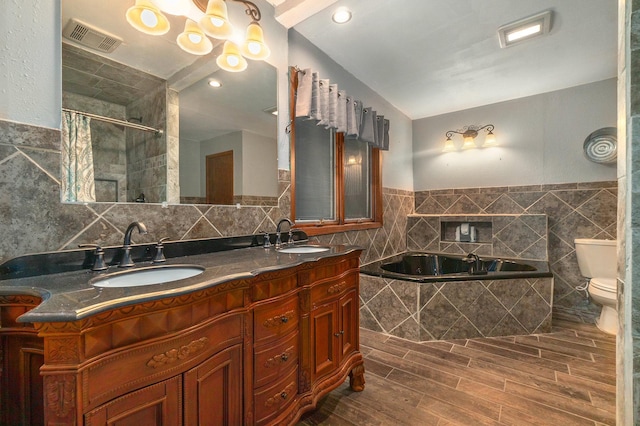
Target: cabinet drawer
271	360
270	401
333	288
275	319
141	365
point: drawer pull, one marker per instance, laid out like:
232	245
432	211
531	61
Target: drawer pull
337	288
176	354
280	396
340	333
279	319
279	359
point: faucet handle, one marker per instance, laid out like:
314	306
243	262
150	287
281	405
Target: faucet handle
159	257
266	240
98	261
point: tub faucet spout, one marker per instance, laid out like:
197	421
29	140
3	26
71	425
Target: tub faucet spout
475	264
126	261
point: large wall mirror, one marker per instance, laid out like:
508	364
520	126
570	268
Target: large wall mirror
218	144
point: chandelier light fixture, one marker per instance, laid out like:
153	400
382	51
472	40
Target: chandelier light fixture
469	134
203	19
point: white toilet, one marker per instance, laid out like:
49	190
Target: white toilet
598	261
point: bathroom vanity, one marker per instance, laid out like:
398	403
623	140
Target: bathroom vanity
257	338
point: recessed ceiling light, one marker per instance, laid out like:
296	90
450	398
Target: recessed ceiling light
215	83
525	29
341	15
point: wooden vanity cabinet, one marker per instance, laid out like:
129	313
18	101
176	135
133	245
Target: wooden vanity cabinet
21	355
259	351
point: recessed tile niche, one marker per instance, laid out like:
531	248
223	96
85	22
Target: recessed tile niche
522	236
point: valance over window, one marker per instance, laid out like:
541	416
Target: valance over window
320	100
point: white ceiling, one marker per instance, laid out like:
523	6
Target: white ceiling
426	57
430	57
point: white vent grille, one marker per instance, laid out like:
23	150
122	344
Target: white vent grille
89	36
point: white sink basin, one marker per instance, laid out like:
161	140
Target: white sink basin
148	276
303	249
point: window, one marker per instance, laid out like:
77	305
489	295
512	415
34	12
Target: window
336	182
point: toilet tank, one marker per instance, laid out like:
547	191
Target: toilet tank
597	258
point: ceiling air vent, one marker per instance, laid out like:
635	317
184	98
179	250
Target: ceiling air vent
89	36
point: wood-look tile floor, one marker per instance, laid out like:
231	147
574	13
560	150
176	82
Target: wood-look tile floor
566	377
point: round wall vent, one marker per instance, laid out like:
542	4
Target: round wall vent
601	146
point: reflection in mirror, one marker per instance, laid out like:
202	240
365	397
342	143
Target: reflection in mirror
237	116
150	81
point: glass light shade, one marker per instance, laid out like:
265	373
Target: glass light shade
231	59
254	46
490	140
193	40
468	143
449	146
144	16
215	22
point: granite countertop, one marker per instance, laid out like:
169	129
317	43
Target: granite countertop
69	296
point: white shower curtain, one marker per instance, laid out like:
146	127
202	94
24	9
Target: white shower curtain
78	183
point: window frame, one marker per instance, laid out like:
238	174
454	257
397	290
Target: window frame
340	224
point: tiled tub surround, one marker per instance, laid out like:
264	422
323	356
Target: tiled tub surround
519	236
574	210
432	308
33	219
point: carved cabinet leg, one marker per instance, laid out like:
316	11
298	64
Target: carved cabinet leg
356	378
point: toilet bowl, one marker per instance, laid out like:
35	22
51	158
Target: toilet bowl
597	260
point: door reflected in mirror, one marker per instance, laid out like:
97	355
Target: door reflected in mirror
150	81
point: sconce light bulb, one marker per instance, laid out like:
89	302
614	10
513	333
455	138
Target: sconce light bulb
144	16
217	22
468	143
448	146
230	59
254	47
490	140
195	38
149	18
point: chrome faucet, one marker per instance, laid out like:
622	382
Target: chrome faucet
475	264
278	233
126	261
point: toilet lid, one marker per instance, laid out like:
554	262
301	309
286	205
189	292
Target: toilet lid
607	284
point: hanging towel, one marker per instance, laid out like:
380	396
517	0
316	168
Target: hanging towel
341	116
304	93
352	125
323	99
314	109
333	106
368	128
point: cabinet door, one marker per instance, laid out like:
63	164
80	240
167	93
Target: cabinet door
157	404
349	324
213	390
20	382
324	338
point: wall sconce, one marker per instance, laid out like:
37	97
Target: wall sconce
469	133
203	18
